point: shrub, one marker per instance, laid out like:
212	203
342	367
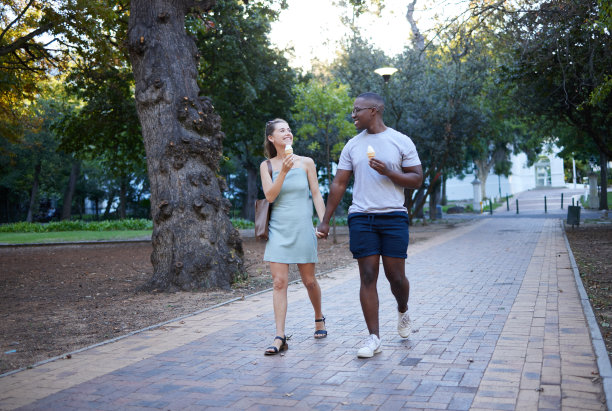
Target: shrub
78	225
241	223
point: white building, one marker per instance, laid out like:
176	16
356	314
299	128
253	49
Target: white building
546	172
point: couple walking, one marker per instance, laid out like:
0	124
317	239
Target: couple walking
383	162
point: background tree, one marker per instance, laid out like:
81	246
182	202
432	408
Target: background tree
194	243
33	171
26	56
248	81
104	126
563	56
321	111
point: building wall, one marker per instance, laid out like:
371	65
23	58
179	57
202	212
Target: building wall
522	178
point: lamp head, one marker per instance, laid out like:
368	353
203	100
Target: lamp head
385	72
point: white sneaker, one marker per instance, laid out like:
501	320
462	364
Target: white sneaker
370	347
404	325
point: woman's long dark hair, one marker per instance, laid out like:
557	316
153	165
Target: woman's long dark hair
269	149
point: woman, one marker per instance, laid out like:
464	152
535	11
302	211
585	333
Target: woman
292	238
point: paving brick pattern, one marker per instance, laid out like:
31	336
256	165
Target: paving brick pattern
497	325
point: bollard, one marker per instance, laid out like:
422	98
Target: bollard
490	207
572	201
517	206
507	203
561	201
545	208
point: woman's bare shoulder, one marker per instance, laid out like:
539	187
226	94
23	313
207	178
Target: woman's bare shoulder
307	160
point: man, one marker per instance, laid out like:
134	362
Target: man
378	220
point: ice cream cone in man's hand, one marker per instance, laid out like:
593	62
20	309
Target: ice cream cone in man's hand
371	152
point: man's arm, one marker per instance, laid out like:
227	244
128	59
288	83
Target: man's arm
410	177
336	191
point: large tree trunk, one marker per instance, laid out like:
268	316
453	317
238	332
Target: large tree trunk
194	242
69	192
34	192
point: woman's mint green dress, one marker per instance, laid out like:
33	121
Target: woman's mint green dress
292	238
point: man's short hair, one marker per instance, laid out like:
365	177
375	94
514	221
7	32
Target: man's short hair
374	99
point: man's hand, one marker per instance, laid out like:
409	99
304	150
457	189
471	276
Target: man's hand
322	230
379	166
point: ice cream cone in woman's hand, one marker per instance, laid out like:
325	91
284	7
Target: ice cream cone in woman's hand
288	150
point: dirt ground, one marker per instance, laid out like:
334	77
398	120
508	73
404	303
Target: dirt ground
57	299
591	245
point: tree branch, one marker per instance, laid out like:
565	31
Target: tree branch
16	19
22	41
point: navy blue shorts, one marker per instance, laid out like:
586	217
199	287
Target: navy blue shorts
379	234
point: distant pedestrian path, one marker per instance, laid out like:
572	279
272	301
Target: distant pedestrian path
549	202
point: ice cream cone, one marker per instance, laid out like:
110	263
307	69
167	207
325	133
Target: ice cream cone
288	150
371	152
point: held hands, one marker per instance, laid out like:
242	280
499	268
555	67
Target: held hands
379	166
322	230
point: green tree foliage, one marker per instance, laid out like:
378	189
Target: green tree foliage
497	126
248	80
40	39
563	56
102	125
33	161
37	37
322	112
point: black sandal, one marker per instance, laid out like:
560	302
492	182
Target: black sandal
276	350
320	333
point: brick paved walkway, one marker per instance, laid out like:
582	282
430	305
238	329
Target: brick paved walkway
498	324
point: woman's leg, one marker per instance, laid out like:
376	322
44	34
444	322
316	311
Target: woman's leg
307	272
280	279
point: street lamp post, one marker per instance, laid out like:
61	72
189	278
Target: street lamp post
386	73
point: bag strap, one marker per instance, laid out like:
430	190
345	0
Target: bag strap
269	167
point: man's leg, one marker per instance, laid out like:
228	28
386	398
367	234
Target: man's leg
395	271
400	287
368	295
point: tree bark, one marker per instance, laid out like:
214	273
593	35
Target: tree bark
434	200
251	194
483	168
34	192
69	192
109	203
122	196
194	243
417	40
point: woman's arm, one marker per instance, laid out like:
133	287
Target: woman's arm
313	182
272	189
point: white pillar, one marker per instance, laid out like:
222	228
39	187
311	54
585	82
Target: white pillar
574	171
477	204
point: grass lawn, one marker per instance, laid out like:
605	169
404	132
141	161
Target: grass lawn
70	236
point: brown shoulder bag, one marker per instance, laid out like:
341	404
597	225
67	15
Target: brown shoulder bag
262	213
